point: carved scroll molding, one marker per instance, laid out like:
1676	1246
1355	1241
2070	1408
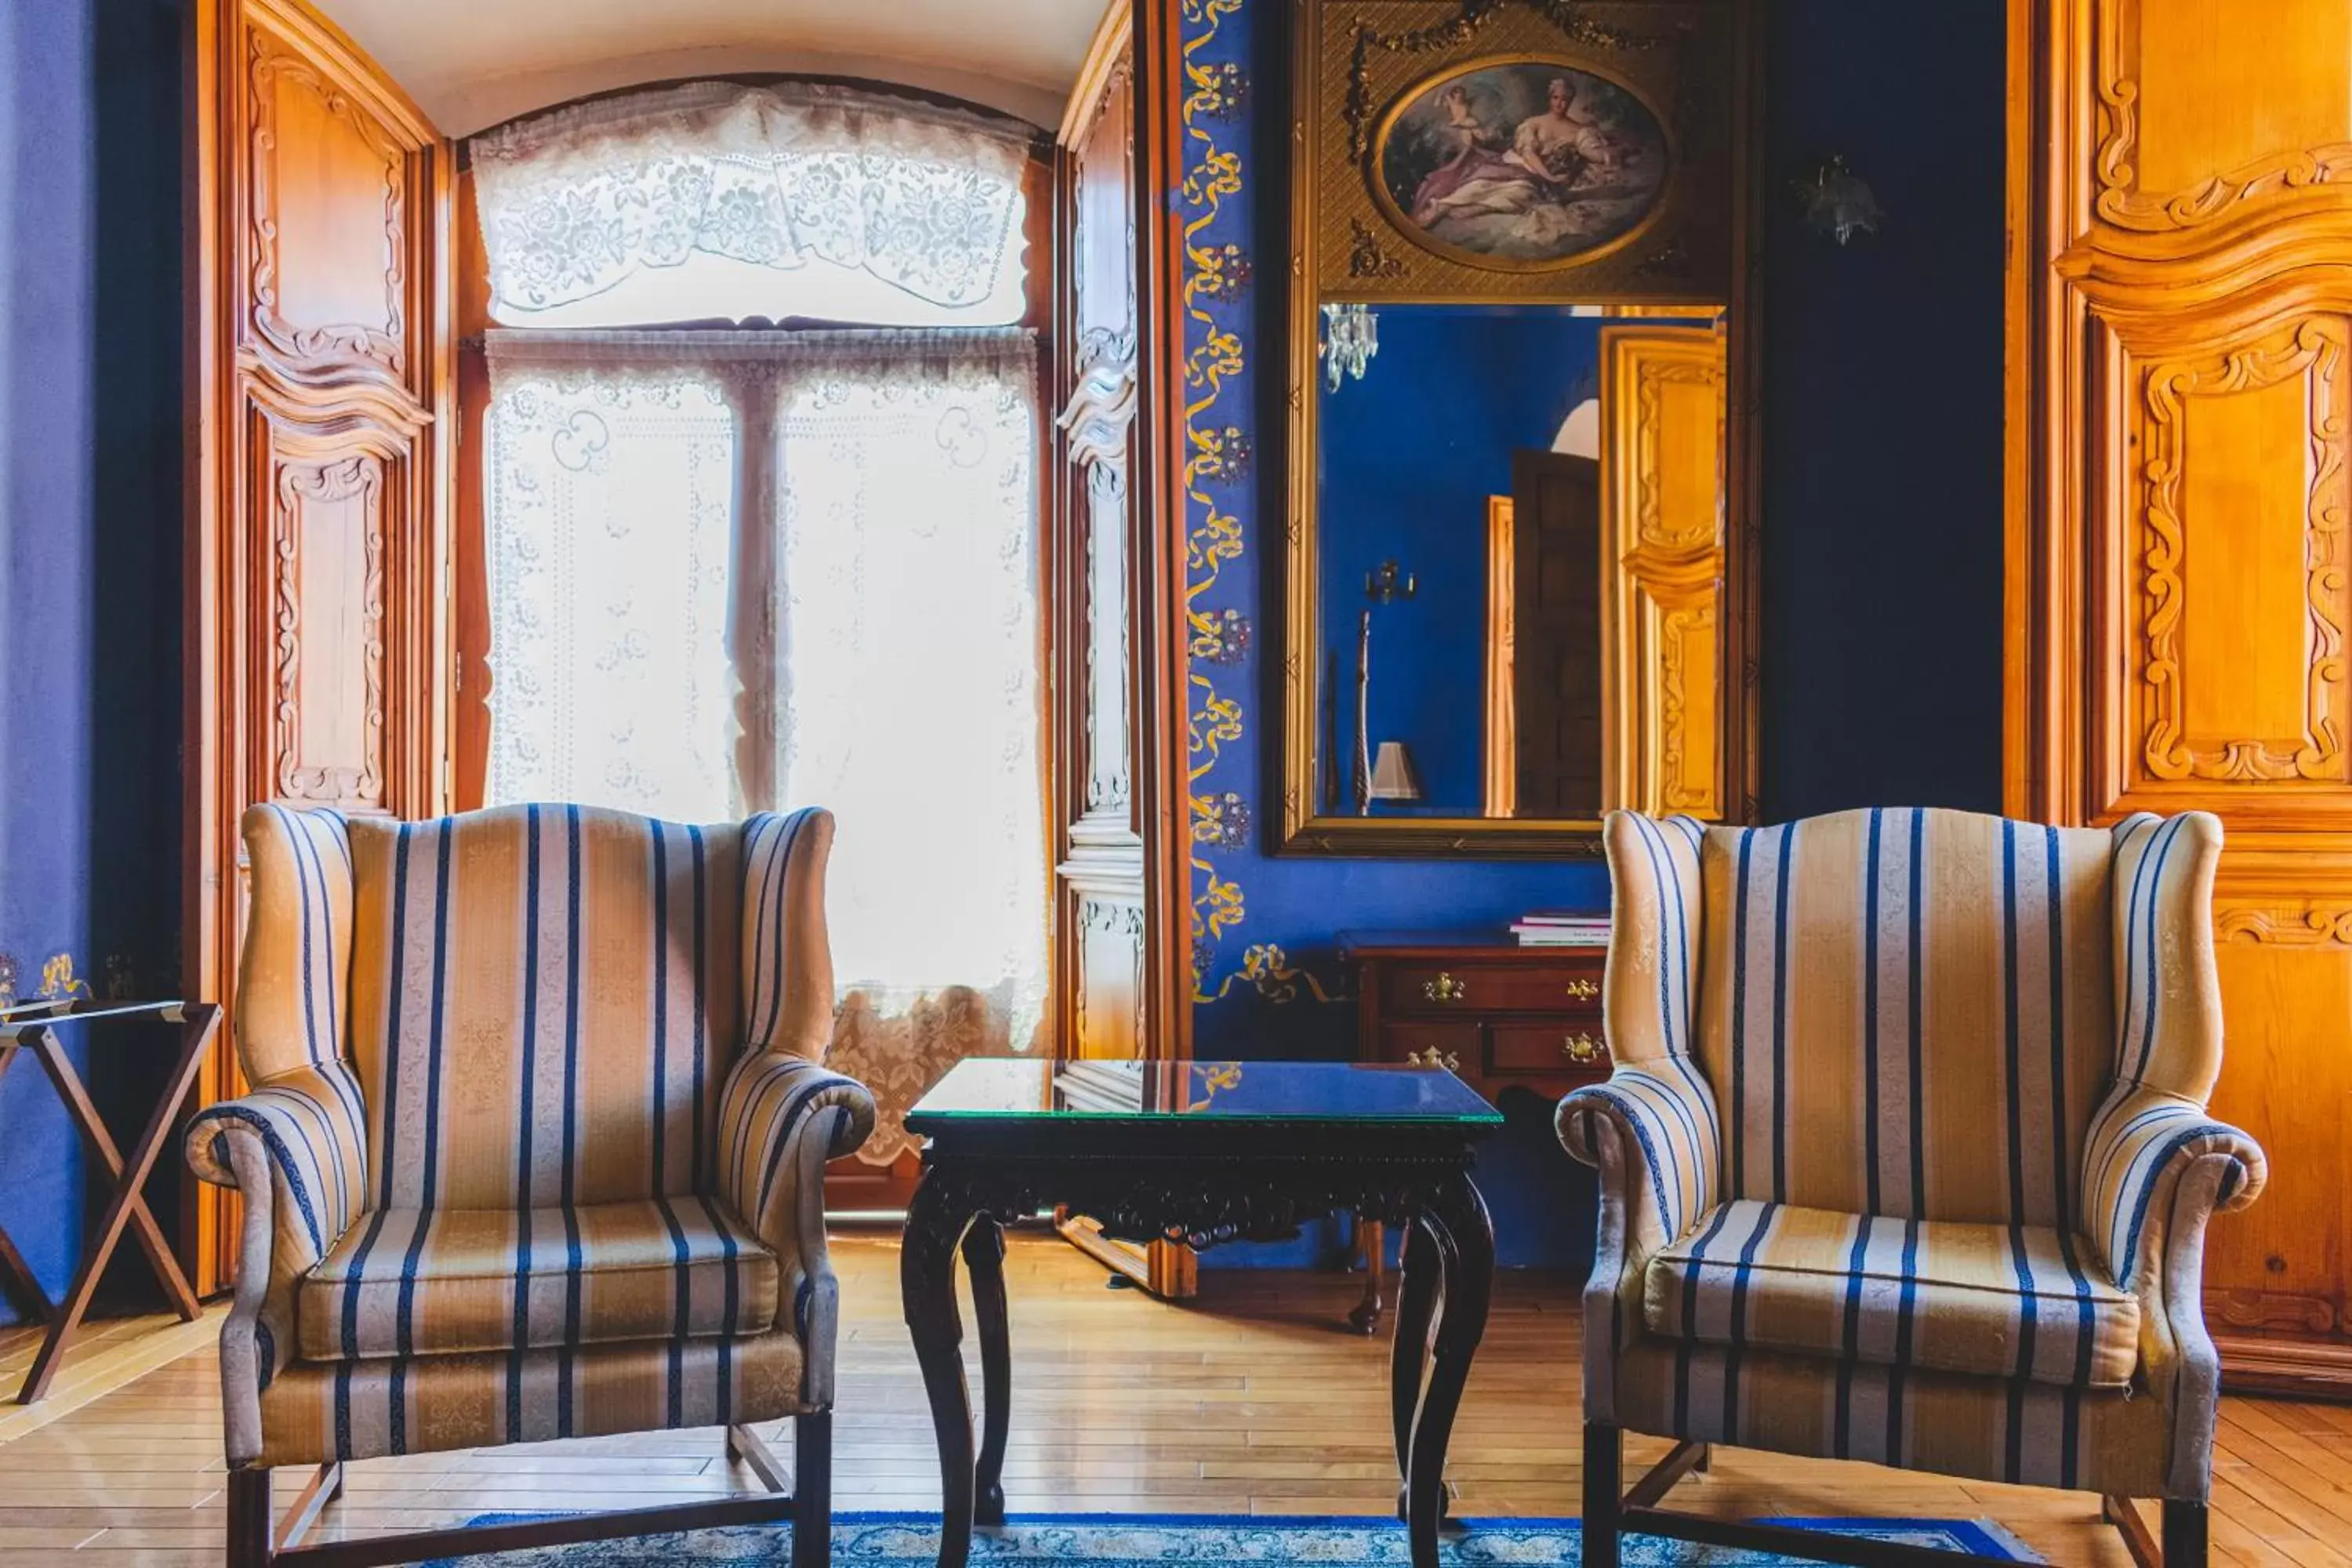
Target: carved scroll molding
2300	924
1100	414
352	781
2121	201
2271	1310
1110	990
1698	531
2313	349
270	69
1686	650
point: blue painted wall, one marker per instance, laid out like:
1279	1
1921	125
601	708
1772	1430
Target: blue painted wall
1881	520
45	553
89	542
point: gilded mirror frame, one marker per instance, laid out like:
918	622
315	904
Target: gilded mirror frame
1324	36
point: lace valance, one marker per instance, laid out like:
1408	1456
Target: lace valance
717	201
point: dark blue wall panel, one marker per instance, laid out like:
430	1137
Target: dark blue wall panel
1882	409
91	318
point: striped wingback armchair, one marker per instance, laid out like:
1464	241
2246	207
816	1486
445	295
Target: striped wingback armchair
1906	1158
534	1148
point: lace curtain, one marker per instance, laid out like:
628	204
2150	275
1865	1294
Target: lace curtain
717	201
736	570
610	494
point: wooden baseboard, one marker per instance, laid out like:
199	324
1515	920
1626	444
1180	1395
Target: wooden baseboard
2275	1363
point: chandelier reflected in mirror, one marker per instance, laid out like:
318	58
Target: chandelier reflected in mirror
1351	338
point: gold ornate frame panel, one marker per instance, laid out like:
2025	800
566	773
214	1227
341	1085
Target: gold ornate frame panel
1323	239
1359	62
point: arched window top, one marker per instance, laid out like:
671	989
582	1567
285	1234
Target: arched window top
715	200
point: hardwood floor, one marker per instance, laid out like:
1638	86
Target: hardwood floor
1249	1400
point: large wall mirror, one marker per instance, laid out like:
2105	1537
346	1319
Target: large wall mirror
1521	553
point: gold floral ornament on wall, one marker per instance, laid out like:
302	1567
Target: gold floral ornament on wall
1215	454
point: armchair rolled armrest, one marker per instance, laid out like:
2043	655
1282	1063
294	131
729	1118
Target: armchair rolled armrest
1650	1131
1666	1114
2140	1145
311	1125
296	1146
781	1118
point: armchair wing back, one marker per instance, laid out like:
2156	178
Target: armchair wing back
535	1139
543	1004
1908	1012
1904	1156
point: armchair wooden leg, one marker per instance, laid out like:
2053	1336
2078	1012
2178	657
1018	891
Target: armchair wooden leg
2184	1534
1604	1488
2183	1544
813	1490
249	1545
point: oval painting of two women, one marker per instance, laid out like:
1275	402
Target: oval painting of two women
1521	164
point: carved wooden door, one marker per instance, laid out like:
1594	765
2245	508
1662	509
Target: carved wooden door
1555	635
318	389
1113	623
1662	464
2180	425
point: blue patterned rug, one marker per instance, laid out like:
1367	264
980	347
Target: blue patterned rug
1150	1541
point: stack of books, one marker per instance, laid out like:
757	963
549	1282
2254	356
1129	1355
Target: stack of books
1561	928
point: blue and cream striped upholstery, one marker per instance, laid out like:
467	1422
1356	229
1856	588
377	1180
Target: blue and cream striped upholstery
1947	1073
543	1004
368	1409
2015	1430
1908	1012
443	1282
2005	1301
2153	1124
499	1064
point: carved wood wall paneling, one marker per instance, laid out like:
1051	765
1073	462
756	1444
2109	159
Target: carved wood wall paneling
1120	915
1663	548
2180	224
339	196
1096	393
319	387
1110	977
2264	582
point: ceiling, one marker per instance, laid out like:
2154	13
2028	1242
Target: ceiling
472	63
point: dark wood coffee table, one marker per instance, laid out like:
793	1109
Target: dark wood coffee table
1197	1152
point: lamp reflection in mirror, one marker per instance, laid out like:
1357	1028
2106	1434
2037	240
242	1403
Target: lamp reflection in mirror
1393	777
1351	336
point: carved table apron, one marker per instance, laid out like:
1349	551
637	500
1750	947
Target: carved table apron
1198	1183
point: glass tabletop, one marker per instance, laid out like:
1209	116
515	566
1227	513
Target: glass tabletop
995	1088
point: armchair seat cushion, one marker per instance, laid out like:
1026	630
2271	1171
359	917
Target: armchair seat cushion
2005	1301
406	1282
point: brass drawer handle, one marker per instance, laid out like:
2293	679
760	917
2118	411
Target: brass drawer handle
1433	1058
1583	990
1582	1048
1445	988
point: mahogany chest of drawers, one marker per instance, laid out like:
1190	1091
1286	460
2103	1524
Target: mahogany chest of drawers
1498	1015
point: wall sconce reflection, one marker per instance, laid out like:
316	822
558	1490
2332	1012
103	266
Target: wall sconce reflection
1351	336
1386	585
1837	202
